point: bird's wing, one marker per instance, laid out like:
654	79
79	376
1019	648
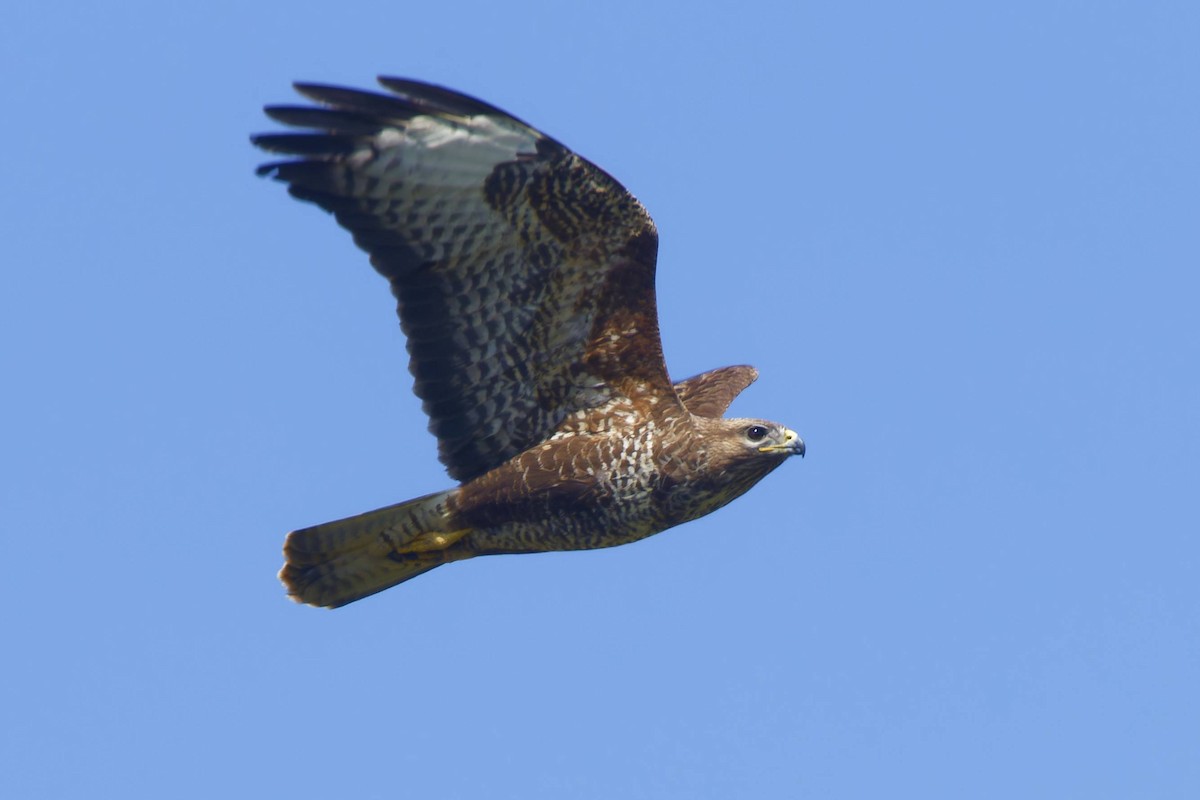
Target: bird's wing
710	393
524	274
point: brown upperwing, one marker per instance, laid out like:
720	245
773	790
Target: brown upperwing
710	393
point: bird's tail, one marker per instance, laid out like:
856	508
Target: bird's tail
348	559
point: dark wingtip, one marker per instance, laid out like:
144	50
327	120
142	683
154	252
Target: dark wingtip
313	89
438	98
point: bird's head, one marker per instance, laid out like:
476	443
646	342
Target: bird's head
761	437
738	454
749	447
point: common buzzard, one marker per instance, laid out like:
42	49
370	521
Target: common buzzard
524	276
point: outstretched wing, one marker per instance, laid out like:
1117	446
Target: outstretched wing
524	274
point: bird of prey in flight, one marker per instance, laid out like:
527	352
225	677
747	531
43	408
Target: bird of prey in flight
524	279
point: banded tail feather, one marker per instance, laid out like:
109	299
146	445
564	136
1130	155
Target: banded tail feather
348	559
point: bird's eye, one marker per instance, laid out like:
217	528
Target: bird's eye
755	432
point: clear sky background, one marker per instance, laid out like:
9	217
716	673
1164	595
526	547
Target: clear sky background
960	241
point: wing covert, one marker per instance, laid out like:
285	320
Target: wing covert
710	393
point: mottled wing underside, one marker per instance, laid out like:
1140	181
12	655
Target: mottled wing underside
524	274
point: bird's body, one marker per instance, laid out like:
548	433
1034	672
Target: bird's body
525	282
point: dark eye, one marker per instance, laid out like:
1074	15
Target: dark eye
755	432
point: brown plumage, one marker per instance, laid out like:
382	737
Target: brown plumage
524	277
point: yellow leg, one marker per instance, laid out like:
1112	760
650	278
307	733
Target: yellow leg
435	540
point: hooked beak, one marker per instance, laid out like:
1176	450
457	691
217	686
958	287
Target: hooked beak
791	445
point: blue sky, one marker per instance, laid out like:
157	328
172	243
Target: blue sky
959	241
